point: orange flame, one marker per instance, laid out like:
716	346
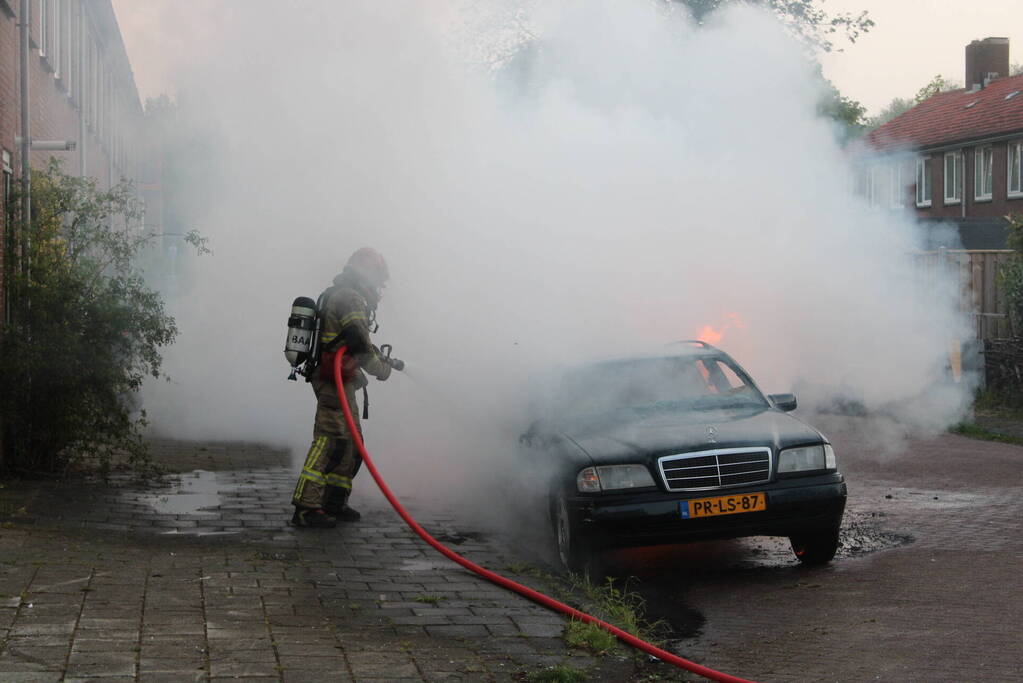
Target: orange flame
712	335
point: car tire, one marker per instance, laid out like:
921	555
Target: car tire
815	548
575	553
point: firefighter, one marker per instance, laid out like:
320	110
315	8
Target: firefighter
348	309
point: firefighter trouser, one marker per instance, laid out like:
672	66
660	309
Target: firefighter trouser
332	461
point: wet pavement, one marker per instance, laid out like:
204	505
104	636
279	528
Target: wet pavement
201	578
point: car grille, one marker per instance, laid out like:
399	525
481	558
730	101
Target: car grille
717	469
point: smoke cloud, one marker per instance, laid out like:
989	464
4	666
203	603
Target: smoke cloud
549	184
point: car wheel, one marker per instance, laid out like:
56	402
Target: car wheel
815	548
573	550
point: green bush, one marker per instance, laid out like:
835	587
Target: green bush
1010	276
83	330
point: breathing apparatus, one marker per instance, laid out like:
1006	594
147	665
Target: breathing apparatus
302	345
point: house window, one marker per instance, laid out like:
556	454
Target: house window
923	182
898	188
953	177
874	186
1016	168
982	176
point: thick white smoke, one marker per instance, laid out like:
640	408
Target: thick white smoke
618	183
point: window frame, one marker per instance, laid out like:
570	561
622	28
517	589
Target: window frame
874	186
55	46
923	177
983	173
957	181
44	37
1014	148
897	200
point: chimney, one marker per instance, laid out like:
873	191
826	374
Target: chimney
986	60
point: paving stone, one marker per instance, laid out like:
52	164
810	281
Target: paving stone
303	676
173	677
181	664
234	644
458	631
314	663
93	664
89	623
30	628
164	651
541	629
44	656
234	669
366	665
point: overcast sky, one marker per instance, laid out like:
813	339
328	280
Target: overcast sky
913	41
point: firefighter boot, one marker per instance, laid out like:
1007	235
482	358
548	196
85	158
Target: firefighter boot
313	518
337	505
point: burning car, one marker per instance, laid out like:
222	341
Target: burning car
680	447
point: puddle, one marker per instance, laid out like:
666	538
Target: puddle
936	499
194	493
459	537
422	565
663	606
860	535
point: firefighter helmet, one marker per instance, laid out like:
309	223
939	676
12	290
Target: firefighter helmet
369	265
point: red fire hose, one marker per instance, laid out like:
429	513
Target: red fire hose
533	595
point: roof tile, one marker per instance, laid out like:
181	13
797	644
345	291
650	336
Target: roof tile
956	116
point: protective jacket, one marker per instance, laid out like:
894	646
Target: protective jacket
349	312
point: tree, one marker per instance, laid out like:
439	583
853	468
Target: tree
805	18
86	329
896	107
937	85
848	113
899	105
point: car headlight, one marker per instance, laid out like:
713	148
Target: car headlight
806	459
613	478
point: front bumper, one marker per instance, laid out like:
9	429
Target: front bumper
794	506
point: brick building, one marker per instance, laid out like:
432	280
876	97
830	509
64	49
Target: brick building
957	156
81	89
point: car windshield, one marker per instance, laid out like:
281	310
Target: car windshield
651	385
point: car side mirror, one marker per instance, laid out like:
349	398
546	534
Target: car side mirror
529	437
783	402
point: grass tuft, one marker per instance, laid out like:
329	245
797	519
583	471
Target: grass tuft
562	673
587	636
429	599
975	431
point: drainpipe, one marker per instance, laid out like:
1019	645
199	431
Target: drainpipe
26	140
81	87
962	204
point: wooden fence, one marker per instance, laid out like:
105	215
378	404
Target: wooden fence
979	293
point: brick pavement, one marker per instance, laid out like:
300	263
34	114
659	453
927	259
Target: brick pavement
202	578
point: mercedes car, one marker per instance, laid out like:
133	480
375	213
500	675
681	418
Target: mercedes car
677	447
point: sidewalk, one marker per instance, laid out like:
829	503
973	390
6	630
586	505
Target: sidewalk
203	579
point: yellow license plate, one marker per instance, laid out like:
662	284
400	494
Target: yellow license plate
723	505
